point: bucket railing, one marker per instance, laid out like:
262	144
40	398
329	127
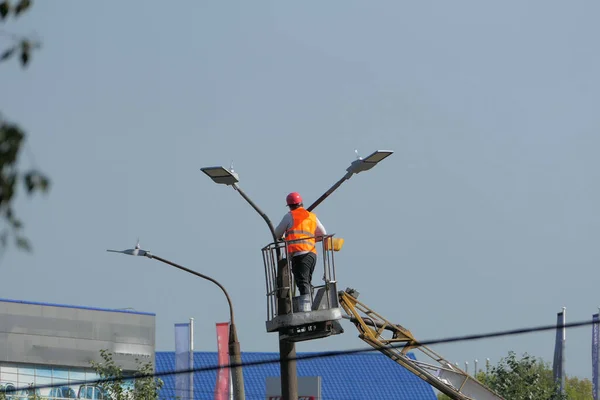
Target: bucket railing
326	245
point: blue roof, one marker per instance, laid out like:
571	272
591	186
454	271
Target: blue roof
355	376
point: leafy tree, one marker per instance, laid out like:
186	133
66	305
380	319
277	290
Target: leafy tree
526	378
118	386
12	137
578	389
529	378
33	393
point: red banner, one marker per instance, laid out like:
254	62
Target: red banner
222	386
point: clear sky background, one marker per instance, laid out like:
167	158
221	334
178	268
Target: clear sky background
485	218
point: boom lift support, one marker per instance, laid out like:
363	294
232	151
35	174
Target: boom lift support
439	373
316	315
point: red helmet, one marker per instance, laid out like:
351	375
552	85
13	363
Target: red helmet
293	198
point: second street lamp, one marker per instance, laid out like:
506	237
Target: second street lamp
357	166
235	356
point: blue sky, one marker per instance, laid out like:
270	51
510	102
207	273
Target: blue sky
484	219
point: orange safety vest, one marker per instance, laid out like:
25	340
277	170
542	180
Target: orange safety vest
303	227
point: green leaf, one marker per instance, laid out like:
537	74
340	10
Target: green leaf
12	220
44	184
25	50
22	6
28	181
7	53
34	180
4	9
3	239
22	243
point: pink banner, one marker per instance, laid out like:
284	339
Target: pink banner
222	386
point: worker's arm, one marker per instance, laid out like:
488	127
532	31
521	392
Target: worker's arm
284	225
320	231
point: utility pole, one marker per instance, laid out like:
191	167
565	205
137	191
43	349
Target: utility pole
287	350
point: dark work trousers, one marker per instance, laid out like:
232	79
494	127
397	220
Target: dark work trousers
302	268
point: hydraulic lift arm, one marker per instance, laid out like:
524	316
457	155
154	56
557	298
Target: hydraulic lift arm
439	373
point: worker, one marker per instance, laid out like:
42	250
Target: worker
298	224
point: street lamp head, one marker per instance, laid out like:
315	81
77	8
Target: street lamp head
221	175
365	164
131	252
136	251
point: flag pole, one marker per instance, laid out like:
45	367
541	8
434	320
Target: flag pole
563	344
595	354
597	366
191	358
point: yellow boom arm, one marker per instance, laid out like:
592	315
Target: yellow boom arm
438	372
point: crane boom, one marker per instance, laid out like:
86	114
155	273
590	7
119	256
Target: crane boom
439	373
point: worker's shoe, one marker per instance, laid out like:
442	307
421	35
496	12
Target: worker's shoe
302	303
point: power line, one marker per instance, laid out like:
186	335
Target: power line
451	339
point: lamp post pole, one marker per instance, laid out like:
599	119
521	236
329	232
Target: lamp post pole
287	350
235	357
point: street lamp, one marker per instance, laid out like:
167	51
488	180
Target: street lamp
287	350
235	357
228	177
221	175
359	165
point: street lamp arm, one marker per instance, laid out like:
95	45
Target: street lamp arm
327	193
198	274
258	210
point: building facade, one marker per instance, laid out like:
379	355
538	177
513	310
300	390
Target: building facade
45	345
